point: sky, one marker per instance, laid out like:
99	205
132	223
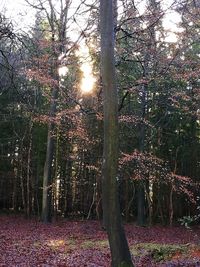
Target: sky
23	17
18	11
23	14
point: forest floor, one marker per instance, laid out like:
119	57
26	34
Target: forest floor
29	243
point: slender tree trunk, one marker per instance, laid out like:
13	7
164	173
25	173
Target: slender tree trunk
99	199
28	182
55	188
141	220
126	199
20	167
149	201
112	218
68	188
171	206
14	193
47	178
141	193
58	29
46	196
141	202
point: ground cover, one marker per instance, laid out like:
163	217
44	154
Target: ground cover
30	243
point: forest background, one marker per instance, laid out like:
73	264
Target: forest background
51	111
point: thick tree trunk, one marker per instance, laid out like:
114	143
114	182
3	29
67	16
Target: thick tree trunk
111	208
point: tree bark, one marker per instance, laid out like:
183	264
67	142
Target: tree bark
28	182
141	218
47	180
111	208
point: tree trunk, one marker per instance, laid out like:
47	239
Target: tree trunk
28	182
68	188
141	202
20	167
58	29
112	218
141	220
171	206
47	180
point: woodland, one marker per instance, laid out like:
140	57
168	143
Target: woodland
100	134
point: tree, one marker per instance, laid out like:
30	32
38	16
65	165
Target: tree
111	208
58	47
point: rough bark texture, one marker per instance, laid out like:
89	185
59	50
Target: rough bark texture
111	208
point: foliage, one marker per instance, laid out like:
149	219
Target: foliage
159	252
158	87
186	221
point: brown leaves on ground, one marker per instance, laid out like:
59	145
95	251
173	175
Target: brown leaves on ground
29	243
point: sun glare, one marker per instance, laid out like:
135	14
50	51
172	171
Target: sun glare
88	80
62	71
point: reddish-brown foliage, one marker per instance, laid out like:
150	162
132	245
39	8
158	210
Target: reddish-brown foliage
82	243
